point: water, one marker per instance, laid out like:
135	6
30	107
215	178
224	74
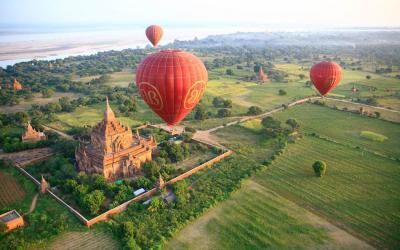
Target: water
21	44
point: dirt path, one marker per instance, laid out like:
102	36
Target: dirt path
59	132
361	104
33	204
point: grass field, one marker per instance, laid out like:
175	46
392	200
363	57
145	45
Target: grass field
16	191
117	79
10	190
121	79
246	142
252	219
350	196
352	193
89	240
91	115
38	99
345	127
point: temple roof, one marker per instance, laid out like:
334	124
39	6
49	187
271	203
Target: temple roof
110	124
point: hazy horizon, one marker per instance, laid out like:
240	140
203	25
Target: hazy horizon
207	13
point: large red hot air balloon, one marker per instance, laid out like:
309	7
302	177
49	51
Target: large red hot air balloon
171	82
154	33
325	76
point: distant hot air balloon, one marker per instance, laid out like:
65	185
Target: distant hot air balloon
171	82
325	76
154	33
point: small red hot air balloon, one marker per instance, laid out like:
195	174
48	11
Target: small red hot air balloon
171	82
325	76
154	33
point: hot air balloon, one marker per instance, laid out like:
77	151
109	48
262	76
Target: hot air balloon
325	76
154	33
171	82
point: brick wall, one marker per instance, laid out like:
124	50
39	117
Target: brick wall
125	205
151	192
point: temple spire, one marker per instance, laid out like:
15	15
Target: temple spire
43	185
29	126
108	114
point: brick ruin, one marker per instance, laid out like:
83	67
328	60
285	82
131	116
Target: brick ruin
32	135
113	151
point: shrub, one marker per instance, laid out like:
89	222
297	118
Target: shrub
190	129
282	92
254	110
319	168
224	112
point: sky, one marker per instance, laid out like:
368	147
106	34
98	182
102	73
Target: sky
307	13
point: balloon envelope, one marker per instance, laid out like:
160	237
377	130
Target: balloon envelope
154	33
325	76
171	82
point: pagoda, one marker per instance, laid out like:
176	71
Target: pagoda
44	185
262	77
17	85
113	151
32	135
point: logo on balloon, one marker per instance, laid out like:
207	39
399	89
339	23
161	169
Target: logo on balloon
151	95
194	94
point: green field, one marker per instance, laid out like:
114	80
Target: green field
252	219
16	191
89	240
91	115
39	100
345	127
359	192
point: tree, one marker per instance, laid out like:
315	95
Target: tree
254	110
180	189
227	103
377	114
47	93
282	92
269	122
319	168
131	244
302	76
229	72
224	112
187	136
151	168
93	201
155	204
368	77
293	123
218	101
200	113
272	128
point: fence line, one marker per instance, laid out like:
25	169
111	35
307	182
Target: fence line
151	192
76	213
124	206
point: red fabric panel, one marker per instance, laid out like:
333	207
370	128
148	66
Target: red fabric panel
154	33
171	82
325	76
